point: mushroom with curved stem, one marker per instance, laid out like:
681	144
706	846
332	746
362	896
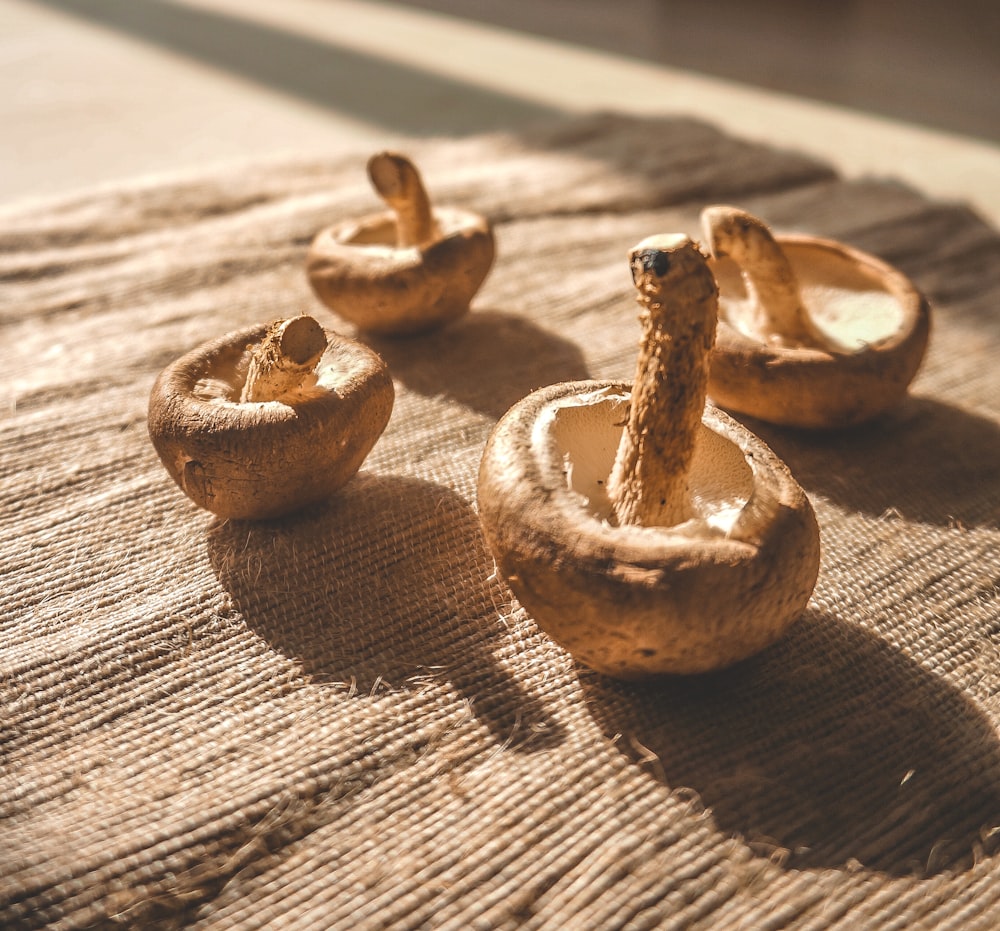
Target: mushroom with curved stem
402	271
812	333
647	532
269	419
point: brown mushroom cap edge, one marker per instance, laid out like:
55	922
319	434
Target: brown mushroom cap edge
868	330
262	459
405	270
704	585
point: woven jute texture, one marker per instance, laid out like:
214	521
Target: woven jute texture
343	719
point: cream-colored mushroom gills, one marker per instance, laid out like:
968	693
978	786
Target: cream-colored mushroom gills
850	310
582	435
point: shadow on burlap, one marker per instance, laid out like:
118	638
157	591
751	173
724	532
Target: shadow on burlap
927	461
323	588
343	719
486	361
831	749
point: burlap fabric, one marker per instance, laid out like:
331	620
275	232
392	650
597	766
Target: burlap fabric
343	719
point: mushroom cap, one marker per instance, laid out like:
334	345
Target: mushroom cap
265	459
875	321
631	601
357	270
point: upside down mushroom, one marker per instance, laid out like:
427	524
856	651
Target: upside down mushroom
646	532
402	271
269	419
812	333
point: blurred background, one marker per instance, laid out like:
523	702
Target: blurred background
94	91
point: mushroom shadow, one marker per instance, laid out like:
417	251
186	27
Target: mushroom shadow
830	749
486	360
927	461
387	585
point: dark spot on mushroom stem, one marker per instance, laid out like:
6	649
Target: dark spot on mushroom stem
650	260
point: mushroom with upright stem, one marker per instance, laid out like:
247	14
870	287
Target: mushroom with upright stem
269	419
812	333
647	532
402	271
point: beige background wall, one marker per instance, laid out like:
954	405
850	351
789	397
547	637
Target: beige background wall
96	91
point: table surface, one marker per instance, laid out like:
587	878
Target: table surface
344	718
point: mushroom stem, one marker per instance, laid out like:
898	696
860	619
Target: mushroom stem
747	240
679	299
399	184
282	361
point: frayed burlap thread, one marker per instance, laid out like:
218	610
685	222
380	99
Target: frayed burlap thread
343	719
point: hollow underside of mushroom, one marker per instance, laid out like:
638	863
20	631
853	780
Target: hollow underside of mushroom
638	601
872	328
357	270
265	459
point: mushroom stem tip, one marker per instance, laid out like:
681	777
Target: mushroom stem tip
283	359
398	183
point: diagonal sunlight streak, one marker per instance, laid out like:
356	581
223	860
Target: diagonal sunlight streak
934	65
399	97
